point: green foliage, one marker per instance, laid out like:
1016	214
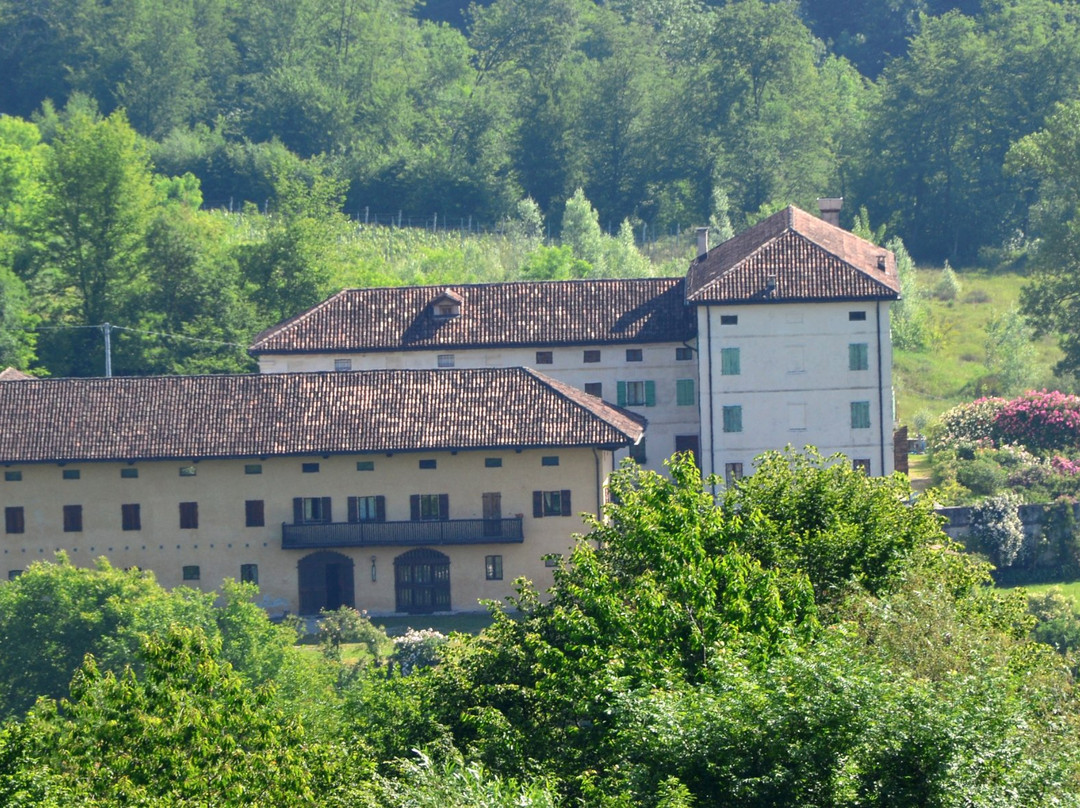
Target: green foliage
1009	352
948	285
347	625
996	528
1057	620
456	783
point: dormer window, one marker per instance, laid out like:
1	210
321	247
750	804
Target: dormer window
446	305
447	310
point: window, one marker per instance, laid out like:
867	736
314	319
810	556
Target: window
592	357
733	418
551	503
254	513
12	476
365	465
253	468
637	452
70	474
729	319
13	574
633	355
14	519
860	414
249	573
342	364
367	509
856	315
732	472
311	510
191	572
429	507
544	357
445	360
493	567
73	518
549	460
684	354
684	393
729	362
858	356
187	471
129	473
861	464
636	394
595	389
428	464
552	560
189	515
130	519
493	462
309	468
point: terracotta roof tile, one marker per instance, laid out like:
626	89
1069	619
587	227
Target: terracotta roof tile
793	256
181	417
10	374
537	313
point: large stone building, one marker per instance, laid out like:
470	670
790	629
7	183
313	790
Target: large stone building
395	452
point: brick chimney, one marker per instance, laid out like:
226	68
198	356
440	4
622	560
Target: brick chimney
830	208
702	242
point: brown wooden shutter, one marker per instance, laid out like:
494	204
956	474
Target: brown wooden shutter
326	517
565	502
298	510
414	507
538	504
444	507
380	508
354	510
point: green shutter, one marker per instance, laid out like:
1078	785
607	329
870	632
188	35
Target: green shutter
729	362
650	394
620	388
858	357
684	392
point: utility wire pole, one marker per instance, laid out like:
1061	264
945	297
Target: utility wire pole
106	329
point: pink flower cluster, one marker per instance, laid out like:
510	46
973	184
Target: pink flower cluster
1040	420
1062	465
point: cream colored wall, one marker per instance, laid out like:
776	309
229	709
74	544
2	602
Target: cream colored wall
666	419
222	543
795	385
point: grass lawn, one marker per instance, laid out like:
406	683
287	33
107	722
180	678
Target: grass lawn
1070	589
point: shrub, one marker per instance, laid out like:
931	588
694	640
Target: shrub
983	476
347	625
970	423
948	285
996	528
418	649
1040	420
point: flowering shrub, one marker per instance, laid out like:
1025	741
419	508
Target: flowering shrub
1064	466
968	424
1040	420
996	528
417	649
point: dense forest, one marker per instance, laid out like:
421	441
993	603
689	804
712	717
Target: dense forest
202	168
811	640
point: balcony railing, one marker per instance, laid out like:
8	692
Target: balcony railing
376	534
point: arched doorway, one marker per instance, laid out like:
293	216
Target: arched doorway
422	581
326	582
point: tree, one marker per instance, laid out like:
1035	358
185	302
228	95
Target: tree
581	232
1010	353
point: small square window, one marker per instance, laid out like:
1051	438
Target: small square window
595	389
254	513
189	515
493	569
249	573
493	462
253	468
544	357
73	518
860	414
191	572
309	468
12	476
729	319
733	418
129	473
858	356
861	464
684	393
187	471
342	364
428	464
634	355
549	460
365	465
684	354
592	357
856	315
445	360
730	364
70	474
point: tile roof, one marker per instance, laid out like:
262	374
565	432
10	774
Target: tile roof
191	417
536	313
10	374
805	257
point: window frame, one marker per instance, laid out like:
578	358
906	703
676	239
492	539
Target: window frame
551	503
312	510
73	518
646	388
732	418
14	519
249	574
684	354
342	365
190	572
635	355
189	515
590	356
130	516
545	357
366	508
493	568
444	360
860	415
429	508
858	356
595	389
254	513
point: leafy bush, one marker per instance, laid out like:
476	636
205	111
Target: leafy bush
996	528
418	649
948	285
970	423
347	625
1058	622
982	476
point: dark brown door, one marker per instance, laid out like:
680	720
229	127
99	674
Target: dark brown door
493	514
326	582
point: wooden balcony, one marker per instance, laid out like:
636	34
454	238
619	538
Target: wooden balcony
389	534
